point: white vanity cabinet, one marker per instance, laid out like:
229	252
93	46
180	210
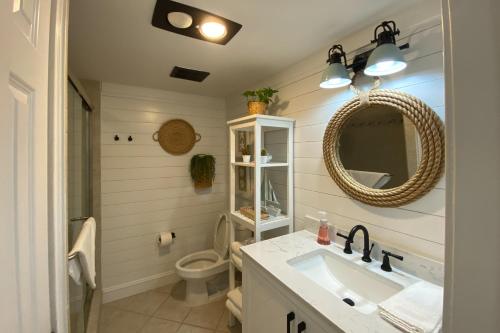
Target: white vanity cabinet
267	303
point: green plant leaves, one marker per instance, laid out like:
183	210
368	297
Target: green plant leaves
260	95
202	167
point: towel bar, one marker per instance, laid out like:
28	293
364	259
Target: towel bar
76	219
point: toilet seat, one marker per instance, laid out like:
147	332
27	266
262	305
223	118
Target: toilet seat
201	264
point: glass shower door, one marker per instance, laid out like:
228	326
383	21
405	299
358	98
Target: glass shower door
79	196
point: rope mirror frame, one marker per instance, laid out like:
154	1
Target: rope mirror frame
429	127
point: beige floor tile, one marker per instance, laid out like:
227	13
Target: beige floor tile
145	303
207	315
172	309
114	320
165	289
156	325
192	329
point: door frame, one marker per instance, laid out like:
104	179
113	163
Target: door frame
57	152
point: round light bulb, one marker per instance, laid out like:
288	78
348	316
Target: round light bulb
180	20
213	30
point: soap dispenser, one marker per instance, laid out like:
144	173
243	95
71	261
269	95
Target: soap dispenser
323	235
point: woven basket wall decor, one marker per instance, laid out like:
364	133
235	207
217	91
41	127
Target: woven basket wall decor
176	136
431	132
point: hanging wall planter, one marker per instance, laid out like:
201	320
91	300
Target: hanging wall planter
202	170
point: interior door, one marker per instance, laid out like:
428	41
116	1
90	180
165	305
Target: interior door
24	55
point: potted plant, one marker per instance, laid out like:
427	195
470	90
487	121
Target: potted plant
246	153
202	170
264	156
259	99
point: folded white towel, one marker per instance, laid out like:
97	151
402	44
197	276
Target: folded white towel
237	261
234	309
416	309
85	249
236	297
236	246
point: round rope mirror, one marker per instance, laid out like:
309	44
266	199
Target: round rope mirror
357	116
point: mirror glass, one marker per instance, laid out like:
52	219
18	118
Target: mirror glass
379	147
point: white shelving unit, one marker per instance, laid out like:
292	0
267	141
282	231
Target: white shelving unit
276	135
257	126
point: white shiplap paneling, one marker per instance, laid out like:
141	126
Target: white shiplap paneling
417	227
145	190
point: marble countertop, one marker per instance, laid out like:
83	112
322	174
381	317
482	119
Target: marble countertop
273	254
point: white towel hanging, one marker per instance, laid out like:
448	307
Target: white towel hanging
82	256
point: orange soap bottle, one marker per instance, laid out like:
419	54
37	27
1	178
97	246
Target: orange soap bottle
323	234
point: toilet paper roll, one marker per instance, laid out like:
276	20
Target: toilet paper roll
165	239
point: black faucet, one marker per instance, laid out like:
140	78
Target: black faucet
350	239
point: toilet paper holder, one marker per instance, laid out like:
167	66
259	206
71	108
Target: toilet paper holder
173	236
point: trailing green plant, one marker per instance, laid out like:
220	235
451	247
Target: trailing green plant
263	152
202	168
264	95
246	150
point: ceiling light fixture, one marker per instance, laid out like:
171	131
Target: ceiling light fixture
387	58
336	75
213	30
180	20
193	22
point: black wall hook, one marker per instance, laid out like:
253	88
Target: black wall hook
117	138
130	139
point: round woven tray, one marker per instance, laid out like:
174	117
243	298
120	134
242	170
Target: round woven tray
431	132
176	136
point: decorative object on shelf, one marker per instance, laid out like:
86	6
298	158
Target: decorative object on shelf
242	179
385	59
258	100
250	213
425	150
264	156
246	153
202	168
270	203
176	136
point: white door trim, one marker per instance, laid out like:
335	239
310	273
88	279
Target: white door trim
58	230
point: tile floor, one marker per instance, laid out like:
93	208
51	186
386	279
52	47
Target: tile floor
161	311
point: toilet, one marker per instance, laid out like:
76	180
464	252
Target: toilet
202	270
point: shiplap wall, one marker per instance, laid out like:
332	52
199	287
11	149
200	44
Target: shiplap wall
417	227
146	190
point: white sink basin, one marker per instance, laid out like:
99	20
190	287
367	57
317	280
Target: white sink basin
345	279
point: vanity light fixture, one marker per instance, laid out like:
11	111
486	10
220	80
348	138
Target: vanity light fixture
336	75
386	58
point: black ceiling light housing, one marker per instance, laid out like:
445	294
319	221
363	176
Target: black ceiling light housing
199	18
188	74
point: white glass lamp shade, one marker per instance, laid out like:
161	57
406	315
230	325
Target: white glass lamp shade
386	59
180	20
335	76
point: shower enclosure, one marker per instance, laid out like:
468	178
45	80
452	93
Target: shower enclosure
79	195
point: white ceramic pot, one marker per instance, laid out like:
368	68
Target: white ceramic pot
246	158
263	159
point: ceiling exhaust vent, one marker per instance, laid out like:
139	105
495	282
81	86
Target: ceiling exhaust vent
188	74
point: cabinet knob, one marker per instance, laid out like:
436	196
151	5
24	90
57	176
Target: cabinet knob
289	318
301	327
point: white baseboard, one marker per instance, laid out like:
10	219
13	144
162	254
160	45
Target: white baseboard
138	286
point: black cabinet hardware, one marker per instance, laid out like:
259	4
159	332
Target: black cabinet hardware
301	327
289	318
386	263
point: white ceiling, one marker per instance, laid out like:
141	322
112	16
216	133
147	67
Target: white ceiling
113	40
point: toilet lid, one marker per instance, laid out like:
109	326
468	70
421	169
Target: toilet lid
221	236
